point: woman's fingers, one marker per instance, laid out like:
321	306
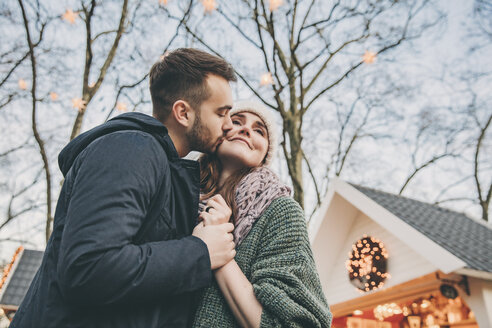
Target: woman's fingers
212	218
216	211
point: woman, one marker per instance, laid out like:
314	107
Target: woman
272	281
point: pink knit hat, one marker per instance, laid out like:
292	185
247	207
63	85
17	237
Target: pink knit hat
266	116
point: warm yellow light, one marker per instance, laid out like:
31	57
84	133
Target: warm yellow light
386	310
78	103
121	106
369	57
70	16
406	311
163	2
164	55
274	4
209	5
53	96
266	79
22	84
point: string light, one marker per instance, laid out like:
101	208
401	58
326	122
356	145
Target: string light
384	311
121	106
367	264
7	268
163	2
78	103
164	55
209	5
369	57
266	79
70	16
22	84
53	96
274	4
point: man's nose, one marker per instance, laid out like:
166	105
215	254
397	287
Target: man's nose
227	125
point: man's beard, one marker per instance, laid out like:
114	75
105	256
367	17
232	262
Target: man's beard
199	137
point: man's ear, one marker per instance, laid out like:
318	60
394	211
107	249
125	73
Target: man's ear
183	113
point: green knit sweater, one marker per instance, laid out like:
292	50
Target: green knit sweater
276	258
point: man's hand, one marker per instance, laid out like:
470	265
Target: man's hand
219	241
216	212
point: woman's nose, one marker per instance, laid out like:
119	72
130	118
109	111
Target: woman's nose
245	130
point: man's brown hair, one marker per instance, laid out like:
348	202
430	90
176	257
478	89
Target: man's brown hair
181	74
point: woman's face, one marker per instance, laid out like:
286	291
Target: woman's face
246	144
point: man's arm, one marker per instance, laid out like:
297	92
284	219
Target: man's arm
111	194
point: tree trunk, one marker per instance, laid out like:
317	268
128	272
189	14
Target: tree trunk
294	156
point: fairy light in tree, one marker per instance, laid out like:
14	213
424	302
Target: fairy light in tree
274	4
266	79
367	264
369	57
163	2
209	6
164	55
121	106
53	96
78	103
22	84
70	16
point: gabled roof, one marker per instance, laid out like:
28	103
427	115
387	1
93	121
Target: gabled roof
18	278
467	239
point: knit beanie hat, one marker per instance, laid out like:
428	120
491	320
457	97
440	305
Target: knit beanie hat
264	114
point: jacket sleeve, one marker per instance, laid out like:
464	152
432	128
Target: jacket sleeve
284	275
98	264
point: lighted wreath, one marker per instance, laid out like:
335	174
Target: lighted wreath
367	264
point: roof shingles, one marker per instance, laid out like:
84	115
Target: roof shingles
467	239
21	278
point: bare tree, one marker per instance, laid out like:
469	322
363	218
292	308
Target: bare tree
89	89
307	49
483	13
484	192
40	66
39	140
433	142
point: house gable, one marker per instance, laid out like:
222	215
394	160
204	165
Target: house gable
332	210
404	263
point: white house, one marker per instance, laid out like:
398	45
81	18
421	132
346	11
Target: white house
434	266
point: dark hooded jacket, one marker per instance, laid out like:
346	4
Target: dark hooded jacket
121	253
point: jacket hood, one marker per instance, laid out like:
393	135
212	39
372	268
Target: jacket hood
127	121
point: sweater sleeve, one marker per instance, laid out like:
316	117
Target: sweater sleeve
284	275
99	264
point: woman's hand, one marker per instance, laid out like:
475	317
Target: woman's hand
216	212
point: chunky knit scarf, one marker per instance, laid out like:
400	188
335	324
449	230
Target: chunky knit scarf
254	193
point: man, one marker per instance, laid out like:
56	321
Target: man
121	253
